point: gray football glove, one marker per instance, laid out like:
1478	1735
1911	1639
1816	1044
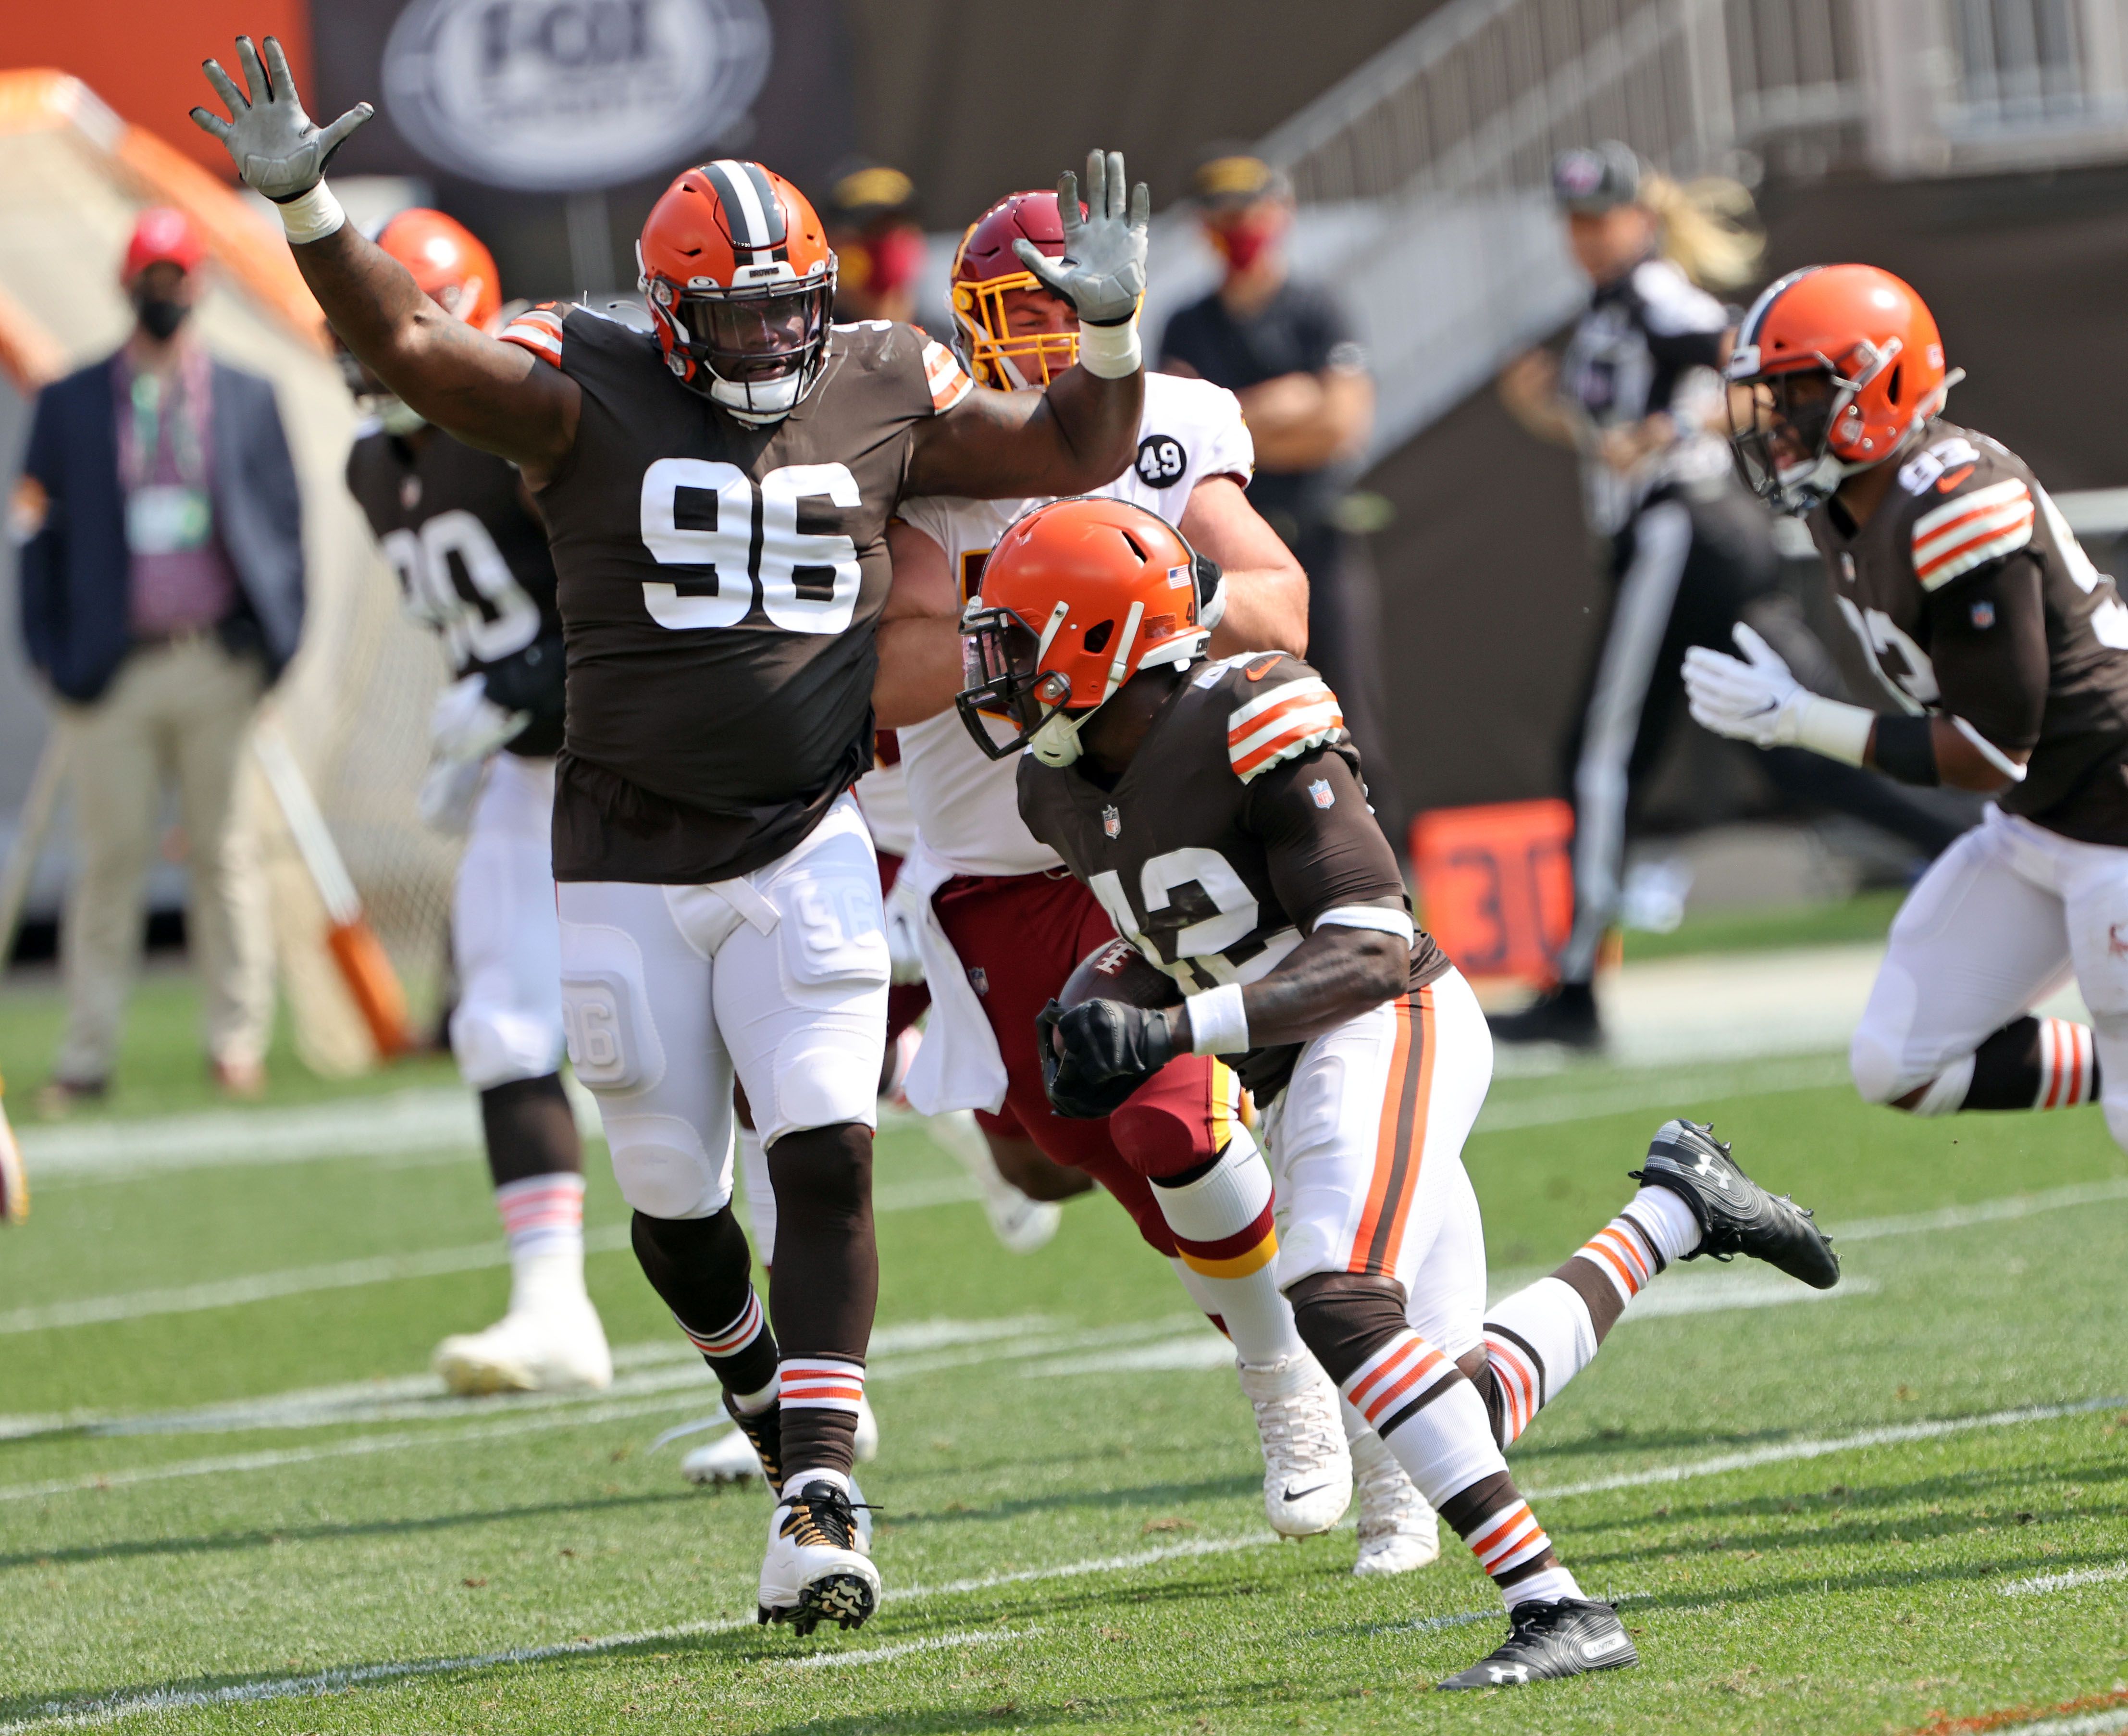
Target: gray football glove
1103	271
280	150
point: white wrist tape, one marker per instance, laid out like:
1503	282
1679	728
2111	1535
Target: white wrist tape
1834	728
1217	1024
1109	352
313	217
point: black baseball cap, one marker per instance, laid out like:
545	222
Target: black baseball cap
1591	180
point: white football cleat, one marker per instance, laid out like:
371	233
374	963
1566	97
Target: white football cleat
730	1458
1398	1533
550	1341
1022	1224
1308	1469
817	1568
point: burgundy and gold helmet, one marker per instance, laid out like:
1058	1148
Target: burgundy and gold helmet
986	270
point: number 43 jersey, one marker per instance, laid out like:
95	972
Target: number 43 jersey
1972	599
471	556
719	588
1239	828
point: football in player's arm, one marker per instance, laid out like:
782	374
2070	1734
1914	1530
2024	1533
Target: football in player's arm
2005	654
1218	812
716	494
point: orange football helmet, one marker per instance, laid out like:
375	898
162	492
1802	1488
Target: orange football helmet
986	270
447	260
1077	598
740	281
1841	366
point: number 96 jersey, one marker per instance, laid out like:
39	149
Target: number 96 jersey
471	555
719	586
1240	827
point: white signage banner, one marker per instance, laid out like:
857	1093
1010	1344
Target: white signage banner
561	95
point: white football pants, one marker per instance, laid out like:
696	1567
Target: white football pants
505	941
1366	1147
2000	921
780	975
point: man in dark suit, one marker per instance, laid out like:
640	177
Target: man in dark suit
162	591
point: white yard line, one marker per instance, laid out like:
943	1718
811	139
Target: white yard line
1983	1211
1782	1452
2089	1723
2042	1583
1667	1088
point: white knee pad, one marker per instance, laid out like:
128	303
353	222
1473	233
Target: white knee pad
496	1044
663	1166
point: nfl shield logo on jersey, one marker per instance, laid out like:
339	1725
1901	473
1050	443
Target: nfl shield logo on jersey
1323	795
1112	822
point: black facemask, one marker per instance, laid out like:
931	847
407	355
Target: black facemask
159	317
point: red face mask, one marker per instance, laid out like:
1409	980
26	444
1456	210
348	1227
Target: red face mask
1244	243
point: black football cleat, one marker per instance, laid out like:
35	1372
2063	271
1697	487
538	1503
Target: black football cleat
1548	1641
1737	1215
764	1433
1566	1016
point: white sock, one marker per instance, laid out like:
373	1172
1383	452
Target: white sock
544	1219
1221	1225
795	1484
1661	1215
760	1191
1547	1587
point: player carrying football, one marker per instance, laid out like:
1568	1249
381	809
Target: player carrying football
1001	925
716	497
1217	811
470	555
2005	654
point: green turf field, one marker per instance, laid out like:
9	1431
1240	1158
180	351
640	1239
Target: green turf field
1900	1507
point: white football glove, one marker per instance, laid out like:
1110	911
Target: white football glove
280	150
1103	271
466	729
1757	700
905	920
1753	701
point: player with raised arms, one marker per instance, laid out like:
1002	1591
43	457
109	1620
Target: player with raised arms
471	553
716	497
2005	653
1216	810
1001	926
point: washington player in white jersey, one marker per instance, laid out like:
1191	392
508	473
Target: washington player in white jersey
1001	925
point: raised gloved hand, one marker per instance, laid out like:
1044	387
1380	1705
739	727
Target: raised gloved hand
1095	1054
465	728
1755	699
905	921
280	150
1103	271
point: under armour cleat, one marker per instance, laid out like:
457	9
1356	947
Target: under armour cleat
819	1567
557	1346
1308	1469
1737	1216
1398	1533
1546	1641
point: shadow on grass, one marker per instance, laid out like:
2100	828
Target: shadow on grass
137	1548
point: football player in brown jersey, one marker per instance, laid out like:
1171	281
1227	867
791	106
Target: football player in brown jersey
1217	811
716	497
2004	653
470	555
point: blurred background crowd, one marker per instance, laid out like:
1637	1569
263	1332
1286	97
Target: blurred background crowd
1365	227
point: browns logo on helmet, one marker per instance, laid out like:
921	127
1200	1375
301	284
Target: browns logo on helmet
1840	367
1077	598
740	281
1012	335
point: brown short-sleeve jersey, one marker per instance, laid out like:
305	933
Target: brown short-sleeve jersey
1239	825
720	587
1972	599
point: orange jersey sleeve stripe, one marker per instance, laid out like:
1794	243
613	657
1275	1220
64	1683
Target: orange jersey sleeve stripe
538	331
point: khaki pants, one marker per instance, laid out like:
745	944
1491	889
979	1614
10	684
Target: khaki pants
181	710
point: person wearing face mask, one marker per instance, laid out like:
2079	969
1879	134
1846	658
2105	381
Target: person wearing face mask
1638	393
878	245
162	592
1288	352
